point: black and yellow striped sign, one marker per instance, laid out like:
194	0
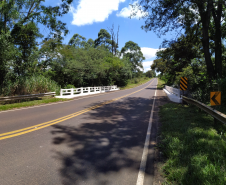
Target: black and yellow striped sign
183	83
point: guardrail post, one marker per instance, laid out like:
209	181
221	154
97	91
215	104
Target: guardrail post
88	90
215	120
183	102
72	92
61	92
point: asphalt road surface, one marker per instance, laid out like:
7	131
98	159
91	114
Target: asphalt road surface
95	140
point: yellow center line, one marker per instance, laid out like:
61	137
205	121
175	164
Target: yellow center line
55	121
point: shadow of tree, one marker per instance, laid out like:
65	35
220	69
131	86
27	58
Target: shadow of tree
105	145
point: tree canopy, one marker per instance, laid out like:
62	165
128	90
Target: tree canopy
193	16
133	52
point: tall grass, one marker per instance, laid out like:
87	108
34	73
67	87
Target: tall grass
30	85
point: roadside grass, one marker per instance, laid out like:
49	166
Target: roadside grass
136	82
28	102
194	148
161	84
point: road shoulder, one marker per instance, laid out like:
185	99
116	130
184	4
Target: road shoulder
161	99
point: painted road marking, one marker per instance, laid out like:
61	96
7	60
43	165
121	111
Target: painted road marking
141	173
52	122
30	107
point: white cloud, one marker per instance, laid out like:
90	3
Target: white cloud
149	52
90	11
147	65
127	11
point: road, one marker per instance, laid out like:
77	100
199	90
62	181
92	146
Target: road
95	140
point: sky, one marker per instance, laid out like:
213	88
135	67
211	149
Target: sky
87	17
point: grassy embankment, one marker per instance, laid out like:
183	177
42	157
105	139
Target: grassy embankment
38	101
136	82
161	84
194	148
28	103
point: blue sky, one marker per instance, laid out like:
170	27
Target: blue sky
87	17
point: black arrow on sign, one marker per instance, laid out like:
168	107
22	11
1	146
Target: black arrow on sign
214	100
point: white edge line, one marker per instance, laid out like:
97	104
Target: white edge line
30	107
141	174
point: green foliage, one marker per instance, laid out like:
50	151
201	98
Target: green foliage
88	67
150	73
104	38
7	53
80	63
19	54
69	86
134	82
132	51
198	85
222	87
77	41
29	85
201	20
89	44
161	84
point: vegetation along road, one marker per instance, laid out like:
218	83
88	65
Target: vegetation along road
94	140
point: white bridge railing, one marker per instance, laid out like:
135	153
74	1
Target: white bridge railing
82	91
173	90
173	94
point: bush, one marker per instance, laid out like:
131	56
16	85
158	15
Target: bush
69	86
30	85
136	80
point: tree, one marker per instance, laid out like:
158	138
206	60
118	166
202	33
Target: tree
18	22
104	38
77	41
89	44
132	51
150	74
7	53
204	15
25	37
177	55
114	43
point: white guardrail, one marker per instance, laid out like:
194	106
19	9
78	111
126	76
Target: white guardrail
83	91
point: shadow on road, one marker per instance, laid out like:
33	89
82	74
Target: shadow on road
103	143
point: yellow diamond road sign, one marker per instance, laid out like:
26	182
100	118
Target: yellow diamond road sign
215	98
183	83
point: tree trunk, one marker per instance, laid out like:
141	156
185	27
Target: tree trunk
218	47
112	47
205	19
